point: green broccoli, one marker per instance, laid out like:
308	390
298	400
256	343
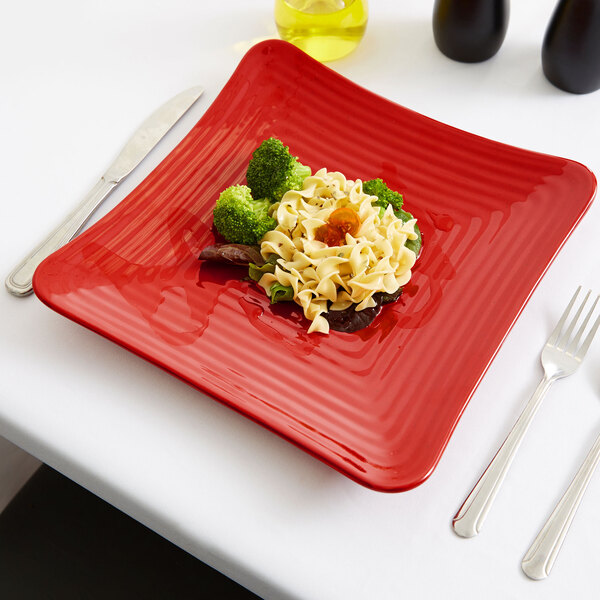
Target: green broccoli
385	196
239	218
272	171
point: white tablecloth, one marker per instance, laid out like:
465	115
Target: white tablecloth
76	80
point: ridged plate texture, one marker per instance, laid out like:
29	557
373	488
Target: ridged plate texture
378	405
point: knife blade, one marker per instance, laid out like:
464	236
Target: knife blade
150	132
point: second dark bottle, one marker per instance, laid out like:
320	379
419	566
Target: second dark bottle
470	30
571	48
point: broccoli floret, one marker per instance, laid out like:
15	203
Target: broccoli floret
272	171
385	196
239	218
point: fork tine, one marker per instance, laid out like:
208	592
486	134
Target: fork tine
588	340
554	335
572	347
564	340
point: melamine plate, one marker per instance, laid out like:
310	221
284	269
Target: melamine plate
378	405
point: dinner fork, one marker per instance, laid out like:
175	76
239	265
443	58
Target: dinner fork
561	357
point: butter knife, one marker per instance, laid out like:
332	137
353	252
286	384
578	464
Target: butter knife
135	150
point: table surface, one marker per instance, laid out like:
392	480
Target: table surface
76	82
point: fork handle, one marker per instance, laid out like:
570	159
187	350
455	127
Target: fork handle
471	515
539	559
18	283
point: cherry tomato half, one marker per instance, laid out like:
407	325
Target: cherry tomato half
346	220
330	235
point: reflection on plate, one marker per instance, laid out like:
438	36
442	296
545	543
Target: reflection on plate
378	405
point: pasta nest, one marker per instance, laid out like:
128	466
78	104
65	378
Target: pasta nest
374	260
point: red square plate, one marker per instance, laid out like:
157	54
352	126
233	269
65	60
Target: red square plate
378	405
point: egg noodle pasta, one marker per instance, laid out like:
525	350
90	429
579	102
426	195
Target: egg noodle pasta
333	277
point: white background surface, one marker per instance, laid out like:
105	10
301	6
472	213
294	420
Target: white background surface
76	79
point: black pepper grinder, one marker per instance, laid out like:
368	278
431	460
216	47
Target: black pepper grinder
571	48
470	30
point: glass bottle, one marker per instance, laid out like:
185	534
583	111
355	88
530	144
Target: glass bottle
325	29
470	30
571	47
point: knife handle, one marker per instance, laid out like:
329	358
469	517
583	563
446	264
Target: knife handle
18	282
539	559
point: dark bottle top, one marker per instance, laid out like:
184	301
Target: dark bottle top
571	48
470	30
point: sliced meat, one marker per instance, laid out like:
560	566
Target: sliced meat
233	254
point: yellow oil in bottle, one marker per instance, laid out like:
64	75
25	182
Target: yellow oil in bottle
325	29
